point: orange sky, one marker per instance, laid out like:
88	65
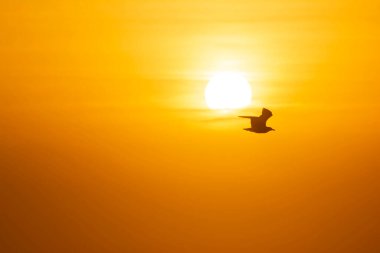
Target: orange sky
106	144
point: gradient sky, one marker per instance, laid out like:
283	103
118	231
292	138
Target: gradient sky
106	143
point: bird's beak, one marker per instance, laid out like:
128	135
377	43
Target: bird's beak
273	129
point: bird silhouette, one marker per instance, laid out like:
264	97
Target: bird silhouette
259	124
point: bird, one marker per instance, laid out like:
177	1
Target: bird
259	124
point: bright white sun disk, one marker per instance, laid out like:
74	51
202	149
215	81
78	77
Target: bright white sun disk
228	90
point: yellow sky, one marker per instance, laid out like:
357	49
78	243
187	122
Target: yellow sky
106	144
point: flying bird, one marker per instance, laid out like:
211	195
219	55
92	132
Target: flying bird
259	124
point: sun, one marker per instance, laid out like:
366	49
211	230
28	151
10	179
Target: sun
228	90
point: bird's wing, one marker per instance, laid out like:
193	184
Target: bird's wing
266	114
253	122
252	118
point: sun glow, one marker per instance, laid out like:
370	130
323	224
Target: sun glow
228	90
